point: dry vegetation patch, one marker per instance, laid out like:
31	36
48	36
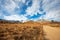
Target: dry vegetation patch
25	31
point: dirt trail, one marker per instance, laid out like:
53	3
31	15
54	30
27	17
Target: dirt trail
52	33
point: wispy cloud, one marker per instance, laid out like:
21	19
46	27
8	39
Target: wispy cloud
51	5
52	8
30	9
53	15
16	18
34	8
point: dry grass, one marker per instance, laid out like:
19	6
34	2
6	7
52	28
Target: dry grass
25	31
52	24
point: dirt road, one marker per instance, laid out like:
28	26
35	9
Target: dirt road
52	33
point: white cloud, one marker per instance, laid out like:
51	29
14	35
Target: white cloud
0	14
50	4
23	1
52	8
34	8
10	7
12	4
16	17
52	11
54	15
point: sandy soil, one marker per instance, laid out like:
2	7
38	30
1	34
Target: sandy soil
52	33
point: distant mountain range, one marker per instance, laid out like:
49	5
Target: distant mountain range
30	21
9	21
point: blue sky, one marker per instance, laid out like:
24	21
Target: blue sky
24	10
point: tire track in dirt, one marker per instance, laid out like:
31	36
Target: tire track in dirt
52	33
